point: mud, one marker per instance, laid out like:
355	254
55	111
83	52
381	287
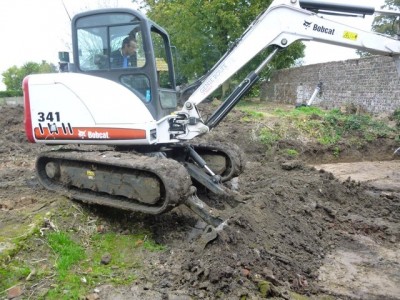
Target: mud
300	227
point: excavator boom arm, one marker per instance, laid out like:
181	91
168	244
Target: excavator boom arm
283	23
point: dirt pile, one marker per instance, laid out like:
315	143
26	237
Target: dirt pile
293	219
294	216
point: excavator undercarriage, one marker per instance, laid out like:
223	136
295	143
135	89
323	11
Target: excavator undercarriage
148	182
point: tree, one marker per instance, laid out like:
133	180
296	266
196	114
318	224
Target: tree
385	24
203	30
14	76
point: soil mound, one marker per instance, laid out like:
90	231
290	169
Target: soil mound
292	220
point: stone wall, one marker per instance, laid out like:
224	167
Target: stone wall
371	84
13	101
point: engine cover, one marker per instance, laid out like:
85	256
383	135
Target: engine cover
64	108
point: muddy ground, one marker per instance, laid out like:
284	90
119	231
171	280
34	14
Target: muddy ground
300	229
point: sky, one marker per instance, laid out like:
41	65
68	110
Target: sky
36	30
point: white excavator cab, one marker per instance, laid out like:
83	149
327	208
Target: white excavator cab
98	50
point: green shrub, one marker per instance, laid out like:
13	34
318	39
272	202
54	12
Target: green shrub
396	117
5	94
268	136
292	152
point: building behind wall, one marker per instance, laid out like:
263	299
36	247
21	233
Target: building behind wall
371	84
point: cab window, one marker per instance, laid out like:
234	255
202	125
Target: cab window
92	48
126	43
162	63
102	42
167	93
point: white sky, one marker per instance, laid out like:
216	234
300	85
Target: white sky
36	30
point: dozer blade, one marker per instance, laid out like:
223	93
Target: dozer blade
126	181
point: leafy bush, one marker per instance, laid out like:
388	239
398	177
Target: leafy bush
396	117
268	137
4	94
292	152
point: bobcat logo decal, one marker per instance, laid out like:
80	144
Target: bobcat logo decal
82	134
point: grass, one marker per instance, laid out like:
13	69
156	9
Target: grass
80	269
326	127
252	115
67	262
396	117
68	252
12	274
14	236
268	136
292	152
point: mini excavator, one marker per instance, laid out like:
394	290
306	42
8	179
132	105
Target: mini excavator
151	166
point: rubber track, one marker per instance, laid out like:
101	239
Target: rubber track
173	175
232	151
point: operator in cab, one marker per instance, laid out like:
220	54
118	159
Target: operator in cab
125	57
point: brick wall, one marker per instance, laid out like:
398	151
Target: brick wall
371	84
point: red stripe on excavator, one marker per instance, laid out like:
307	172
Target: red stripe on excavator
89	133
27	111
